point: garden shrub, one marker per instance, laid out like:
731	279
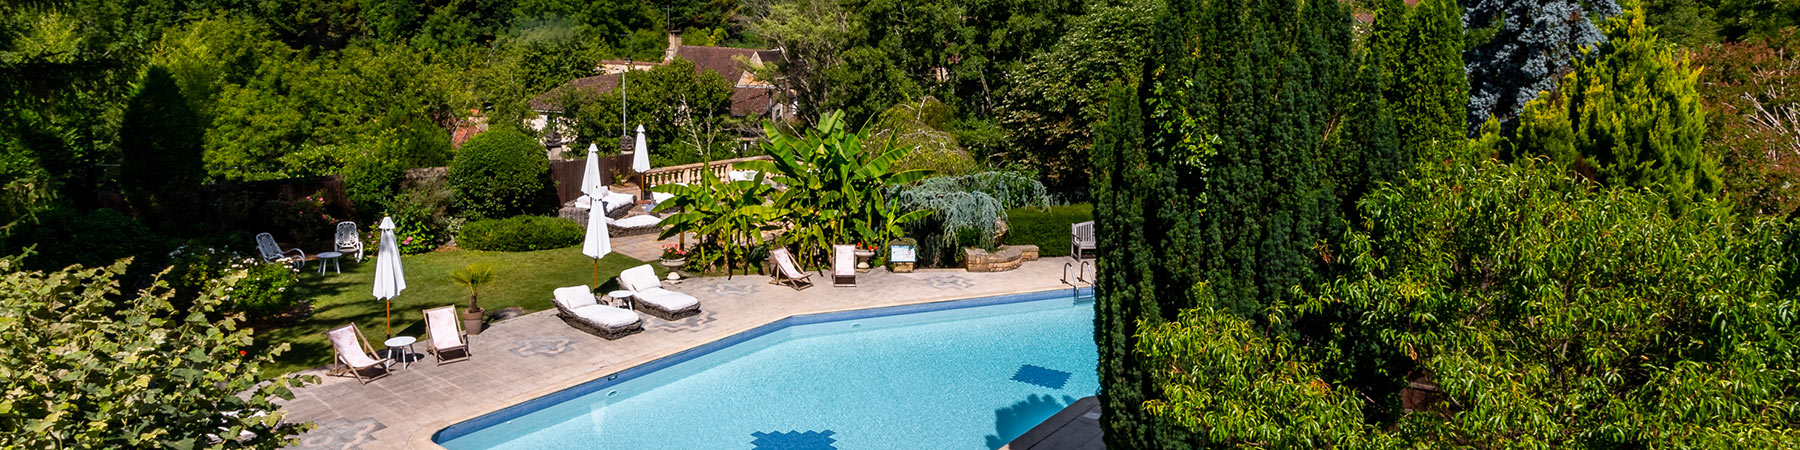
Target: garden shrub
1045	227
950	211
89	366
259	290
1012	189
501	173
519	234
421	218
372	186
64	237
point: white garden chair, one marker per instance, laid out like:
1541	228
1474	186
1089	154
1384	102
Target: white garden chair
265	243
349	240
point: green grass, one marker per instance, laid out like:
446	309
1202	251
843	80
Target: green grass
522	279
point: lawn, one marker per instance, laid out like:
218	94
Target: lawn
522	279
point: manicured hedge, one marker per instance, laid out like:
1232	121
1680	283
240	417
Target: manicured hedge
1047	228
501	173
519	234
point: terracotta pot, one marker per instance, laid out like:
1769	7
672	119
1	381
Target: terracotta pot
472	321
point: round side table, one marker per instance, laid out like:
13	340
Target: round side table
624	296
333	258
404	344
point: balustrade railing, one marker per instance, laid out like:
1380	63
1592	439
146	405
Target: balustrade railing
691	173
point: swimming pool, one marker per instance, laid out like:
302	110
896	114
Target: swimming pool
972	374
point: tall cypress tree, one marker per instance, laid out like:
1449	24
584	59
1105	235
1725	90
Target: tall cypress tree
163	156
1419	52
1224	168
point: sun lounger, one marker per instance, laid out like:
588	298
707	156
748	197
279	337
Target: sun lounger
446	335
786	272
577	306
652	299
634	225
354	352
843	265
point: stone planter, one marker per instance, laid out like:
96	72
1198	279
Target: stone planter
862	260
674	266
1000	260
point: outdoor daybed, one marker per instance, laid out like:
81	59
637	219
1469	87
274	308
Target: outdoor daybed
577	306
634	225
652	299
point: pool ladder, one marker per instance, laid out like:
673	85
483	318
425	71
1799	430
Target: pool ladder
1080	277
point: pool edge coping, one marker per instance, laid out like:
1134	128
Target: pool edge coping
425	438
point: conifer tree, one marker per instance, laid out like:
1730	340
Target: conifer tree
1520	47
1629	114
163	152
1419	51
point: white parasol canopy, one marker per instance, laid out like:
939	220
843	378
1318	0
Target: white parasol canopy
590	175
640	158
389	279
598	242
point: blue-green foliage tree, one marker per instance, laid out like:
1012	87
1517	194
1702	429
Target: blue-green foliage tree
1518	48
1629	114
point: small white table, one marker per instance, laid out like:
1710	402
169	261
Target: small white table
333	258
404	345
624	296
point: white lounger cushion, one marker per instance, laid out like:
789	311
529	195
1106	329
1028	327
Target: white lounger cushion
640	278
667	300
606	316
634	221
573	296
344	340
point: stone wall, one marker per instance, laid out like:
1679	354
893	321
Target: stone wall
1005	258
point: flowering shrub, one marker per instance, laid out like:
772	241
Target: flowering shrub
519	234
261	292
300	216
672	251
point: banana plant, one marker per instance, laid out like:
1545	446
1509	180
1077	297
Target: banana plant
836	187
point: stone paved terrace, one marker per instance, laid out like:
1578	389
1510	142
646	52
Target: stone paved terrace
537	354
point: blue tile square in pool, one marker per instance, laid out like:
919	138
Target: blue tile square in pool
1050	378
794	440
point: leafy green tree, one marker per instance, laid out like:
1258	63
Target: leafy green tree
1051	108
1542	310
1750	19
1629	115
866	83
501	173
677	105
1687	22
163	152
83	370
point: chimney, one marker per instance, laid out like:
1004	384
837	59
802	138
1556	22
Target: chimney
674	47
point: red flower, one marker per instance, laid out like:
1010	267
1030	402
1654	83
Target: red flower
242	353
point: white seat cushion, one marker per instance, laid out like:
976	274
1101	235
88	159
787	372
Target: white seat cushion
667	300
618	200
574	296
635	221
606	316
640	278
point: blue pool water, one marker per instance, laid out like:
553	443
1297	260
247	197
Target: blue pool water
966	378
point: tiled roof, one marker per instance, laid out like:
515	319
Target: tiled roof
716	59
599	83
749	101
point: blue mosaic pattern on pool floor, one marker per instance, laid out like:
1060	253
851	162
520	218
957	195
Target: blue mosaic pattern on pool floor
794	440
1050	378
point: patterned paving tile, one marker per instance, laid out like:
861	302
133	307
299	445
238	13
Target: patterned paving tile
733	289
794	440
950	282
340	434
1050	378
687	324
543	346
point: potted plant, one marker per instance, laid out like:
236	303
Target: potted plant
473	277
863	253
673	256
